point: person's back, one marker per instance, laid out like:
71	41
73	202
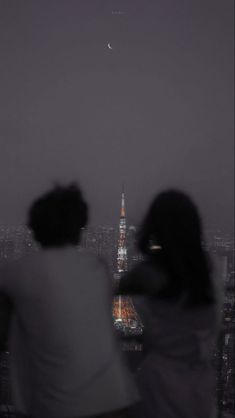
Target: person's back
179	311
64	358
65	361
177	373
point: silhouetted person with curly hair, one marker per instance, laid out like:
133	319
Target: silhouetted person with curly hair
64	358
179	309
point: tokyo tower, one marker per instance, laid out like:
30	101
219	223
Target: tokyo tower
122	245
125	316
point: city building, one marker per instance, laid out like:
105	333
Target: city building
118	247
221	250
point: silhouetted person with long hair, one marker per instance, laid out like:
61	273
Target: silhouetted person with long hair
179	311
65	362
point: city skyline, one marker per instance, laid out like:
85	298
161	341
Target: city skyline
114	244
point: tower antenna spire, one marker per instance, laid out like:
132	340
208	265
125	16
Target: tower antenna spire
123	209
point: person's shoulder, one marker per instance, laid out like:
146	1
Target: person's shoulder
153	276
9	269
92	259
6	266
139	267
148	267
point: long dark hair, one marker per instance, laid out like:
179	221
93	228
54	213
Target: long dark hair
171	235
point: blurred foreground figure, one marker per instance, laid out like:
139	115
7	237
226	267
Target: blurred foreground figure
65	362
179	310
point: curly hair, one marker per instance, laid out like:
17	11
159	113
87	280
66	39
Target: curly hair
56	218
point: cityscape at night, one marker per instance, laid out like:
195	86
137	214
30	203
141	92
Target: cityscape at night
117	245
117	151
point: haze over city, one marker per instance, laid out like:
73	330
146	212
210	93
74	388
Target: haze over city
106	92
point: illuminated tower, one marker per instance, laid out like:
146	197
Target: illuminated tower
122	247
125	316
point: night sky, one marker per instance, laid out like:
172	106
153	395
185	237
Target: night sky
154	111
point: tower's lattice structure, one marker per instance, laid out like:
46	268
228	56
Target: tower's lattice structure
122	244
124	313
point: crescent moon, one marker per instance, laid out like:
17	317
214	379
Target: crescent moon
109	46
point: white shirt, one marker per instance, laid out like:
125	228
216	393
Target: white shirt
65	361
